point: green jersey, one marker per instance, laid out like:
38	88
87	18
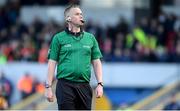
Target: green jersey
74	55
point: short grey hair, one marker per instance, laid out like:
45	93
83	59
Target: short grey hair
66	11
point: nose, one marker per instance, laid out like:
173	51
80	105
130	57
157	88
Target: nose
81	16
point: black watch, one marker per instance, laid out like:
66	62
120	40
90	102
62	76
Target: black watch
100	83
47	86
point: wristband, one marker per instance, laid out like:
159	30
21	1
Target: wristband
48	86
100	83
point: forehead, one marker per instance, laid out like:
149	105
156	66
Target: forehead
75	10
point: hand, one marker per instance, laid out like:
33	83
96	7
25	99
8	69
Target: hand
99	91
49	94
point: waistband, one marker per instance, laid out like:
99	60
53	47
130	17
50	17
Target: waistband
69	81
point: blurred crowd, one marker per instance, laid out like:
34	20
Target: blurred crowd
147	40
26	85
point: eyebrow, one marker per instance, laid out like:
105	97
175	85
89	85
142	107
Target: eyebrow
78	13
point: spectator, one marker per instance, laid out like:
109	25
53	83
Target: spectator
3	59
117	55
43	53
3	101
107	50
38	87
177	52
7	87
25	85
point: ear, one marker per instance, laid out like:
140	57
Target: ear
68	19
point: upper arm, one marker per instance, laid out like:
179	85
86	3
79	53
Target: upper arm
51	61
96	53
54	49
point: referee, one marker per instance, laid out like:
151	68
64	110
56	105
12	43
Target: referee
73	50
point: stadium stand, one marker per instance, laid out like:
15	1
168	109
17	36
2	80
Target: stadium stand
148	40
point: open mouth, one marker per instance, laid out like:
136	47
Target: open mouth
82	21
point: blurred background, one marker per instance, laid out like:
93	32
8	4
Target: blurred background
139	40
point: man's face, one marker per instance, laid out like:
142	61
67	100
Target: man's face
76	16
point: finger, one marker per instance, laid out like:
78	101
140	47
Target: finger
100	94
97	94
50	99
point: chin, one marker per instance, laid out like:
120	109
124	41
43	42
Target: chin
80	25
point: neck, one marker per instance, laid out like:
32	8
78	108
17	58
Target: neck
73	28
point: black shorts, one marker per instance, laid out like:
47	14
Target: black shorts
73	96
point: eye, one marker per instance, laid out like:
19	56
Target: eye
78	14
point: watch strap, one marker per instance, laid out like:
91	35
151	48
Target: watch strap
100	83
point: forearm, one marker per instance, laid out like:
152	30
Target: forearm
97	66
51	70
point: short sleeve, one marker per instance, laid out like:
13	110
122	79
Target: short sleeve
96	53
54	49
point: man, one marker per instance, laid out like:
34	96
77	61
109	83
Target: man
73	50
